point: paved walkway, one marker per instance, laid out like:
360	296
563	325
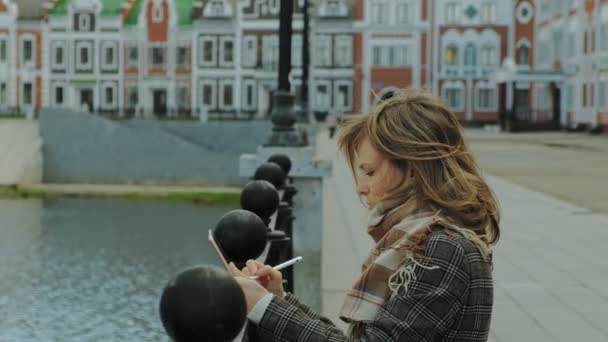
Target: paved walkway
551	264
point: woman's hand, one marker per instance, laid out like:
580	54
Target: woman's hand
252	289
268	277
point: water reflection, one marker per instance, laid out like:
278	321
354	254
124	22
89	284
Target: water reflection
93	270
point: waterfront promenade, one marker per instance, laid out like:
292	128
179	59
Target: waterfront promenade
551	264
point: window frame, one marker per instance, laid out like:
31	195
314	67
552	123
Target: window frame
32	96
453	87
453	12
488	17
270	60
223	40
4	49
322	106
346	42
30	61
214	53
494	98
105	65
222	93
79	46
249	82
339	106
55	45
212	83
250	56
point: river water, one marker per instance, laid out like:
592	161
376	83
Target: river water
94	269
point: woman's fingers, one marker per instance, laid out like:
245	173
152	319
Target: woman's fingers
266	271
252	265
234	271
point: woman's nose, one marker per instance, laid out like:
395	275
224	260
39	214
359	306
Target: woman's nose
362	189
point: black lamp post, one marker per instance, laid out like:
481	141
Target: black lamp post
283	116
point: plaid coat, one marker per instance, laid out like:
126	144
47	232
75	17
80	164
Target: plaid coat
452	303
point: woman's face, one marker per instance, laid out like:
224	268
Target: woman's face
375	176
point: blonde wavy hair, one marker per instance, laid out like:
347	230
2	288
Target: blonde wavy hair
415	131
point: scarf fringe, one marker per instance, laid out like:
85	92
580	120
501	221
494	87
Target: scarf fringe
403	277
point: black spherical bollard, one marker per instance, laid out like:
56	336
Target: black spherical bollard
242	235
272	173
261	198
203	304
282	160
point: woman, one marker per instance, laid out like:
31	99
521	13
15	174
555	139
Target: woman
433	219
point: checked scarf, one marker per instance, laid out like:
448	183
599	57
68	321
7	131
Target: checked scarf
391	264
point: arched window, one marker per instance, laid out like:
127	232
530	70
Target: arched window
470	55
157	13
451	55
523	55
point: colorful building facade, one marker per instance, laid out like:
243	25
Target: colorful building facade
219	58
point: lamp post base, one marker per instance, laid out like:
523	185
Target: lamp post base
284	134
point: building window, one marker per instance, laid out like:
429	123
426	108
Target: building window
226	95
182	97
217	8
603	96
452	13
84	22
3	52
58	95
323	50
486	99
557	44
488	12
133	57
454	97
523	55
58	56
296	50
604	29
27	94
405	12
488	55
571	51
132	97
208	51
3	93
333	8
451	55
249	100
392	56
470	55
28	51
84	56
208	97
158	57
271	52
227	51
108	92
250	51
343	93
322	96
109	57
379	12
344	50
183	57
157	13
